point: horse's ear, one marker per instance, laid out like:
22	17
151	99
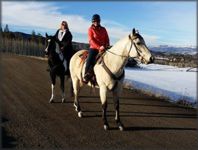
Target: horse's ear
46	35
130	36
133	31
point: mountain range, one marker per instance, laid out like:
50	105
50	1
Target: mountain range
187	50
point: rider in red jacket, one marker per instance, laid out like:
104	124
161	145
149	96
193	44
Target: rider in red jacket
98	37
98	40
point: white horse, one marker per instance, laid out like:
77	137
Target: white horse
110	72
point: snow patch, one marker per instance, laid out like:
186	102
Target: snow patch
177	84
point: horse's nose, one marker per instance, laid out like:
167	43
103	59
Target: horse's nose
152	59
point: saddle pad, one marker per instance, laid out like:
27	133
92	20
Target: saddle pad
83	56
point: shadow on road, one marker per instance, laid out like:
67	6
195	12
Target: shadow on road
131	102
141	114
121	97
154	128
158	128
6	140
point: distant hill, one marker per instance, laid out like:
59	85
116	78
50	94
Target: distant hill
24	35
76	45
174	50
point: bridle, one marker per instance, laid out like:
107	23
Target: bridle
58	52
114	77
132	43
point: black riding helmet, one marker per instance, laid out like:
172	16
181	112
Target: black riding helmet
95	17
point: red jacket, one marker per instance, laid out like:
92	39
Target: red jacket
98	37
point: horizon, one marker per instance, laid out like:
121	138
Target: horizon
156	21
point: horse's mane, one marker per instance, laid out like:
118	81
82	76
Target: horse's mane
134	36
137	35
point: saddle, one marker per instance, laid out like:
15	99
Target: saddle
92	76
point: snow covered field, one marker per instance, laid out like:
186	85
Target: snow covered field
161	80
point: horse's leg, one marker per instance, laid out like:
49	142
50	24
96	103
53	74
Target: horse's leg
103	92
76	88
116	94
53	79
71	89
62	86
71	86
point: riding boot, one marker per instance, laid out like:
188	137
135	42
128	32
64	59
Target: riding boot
87	77
89	65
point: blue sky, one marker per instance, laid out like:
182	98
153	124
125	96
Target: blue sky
170	23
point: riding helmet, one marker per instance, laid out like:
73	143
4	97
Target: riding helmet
95	17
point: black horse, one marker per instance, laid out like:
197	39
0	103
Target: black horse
56	64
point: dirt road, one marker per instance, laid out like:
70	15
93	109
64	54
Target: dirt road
29	121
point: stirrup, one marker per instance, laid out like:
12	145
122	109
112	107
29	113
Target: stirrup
87	77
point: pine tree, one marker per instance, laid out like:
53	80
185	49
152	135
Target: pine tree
33	36
6	29
39	38
39	34
1	30
33	33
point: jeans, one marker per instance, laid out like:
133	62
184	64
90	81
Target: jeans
91	60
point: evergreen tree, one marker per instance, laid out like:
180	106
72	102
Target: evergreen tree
39	34
6	29
39	38
33	36
1	33
1	30
33	33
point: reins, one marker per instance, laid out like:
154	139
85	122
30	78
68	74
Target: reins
113	76
132	43
58	53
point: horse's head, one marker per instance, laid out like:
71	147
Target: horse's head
50	44
138	48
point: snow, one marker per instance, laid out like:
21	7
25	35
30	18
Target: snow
176	84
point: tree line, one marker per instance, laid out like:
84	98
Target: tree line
32	44
20	43
27	44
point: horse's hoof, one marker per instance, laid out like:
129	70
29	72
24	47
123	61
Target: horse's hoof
106	127
80	115
51	101
121	128
76	108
